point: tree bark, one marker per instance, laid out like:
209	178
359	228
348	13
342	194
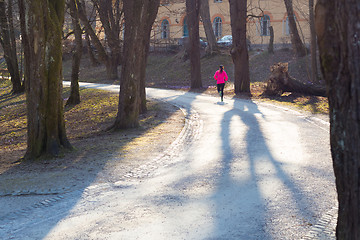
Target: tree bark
239	51
76	58
338	34
280	81
7	40
139	17
271	42
314	67
298	45
210	35
193	16
41	28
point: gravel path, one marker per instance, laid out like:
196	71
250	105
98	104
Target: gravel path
238	170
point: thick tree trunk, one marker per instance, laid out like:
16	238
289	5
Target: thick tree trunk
338	34
210	35
7	40
239	51
43	71
139	17
280	81
314	67
193	16
76	58
298	45
112	67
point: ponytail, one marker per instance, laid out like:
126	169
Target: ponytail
221	68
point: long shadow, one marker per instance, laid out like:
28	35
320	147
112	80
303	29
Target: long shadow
241	171
42	224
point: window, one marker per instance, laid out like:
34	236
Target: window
264	25
217	26
287	27
185	28
165	29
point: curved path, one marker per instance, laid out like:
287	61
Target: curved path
238	170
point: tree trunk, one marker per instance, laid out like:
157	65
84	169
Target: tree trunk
93	60
111	71
193	16
280	81
271	42
139	17
239	51
41	28
76	58
298	45
110	15
210	35
7	40
337	29
314	67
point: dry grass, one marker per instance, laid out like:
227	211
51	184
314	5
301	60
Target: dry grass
86	125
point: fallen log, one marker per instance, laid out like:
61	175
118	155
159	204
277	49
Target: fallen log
280	81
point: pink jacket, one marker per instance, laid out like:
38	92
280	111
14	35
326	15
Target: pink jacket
220	77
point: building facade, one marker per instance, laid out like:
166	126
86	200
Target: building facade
171	25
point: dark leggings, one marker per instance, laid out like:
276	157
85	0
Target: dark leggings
220	87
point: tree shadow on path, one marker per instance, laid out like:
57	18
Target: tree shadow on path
249	176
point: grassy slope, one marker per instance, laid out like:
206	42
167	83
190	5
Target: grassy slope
172	71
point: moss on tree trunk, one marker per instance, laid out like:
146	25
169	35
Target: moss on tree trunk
43	69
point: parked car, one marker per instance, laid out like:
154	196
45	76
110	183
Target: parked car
226	41
185	39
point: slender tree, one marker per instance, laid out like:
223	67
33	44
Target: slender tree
193	16
314	65
298	45
210	35
139	18
338	32
76	58
239	51
271	42
7	41
41	28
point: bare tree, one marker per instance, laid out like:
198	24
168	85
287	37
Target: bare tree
112	59
139	17
111	14
193	16
239	51
314	66
338	32
298	45
7	41
41	28
210	35
76	58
